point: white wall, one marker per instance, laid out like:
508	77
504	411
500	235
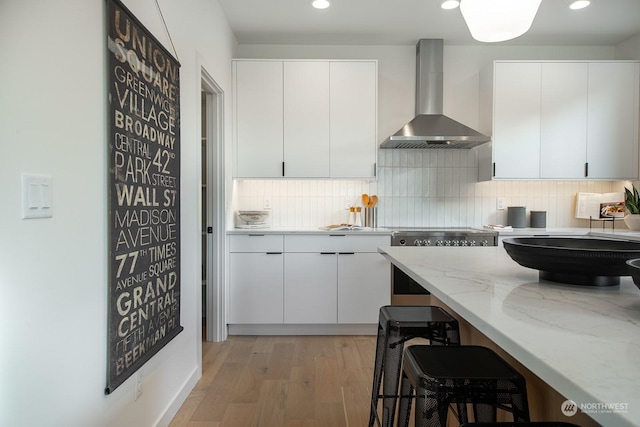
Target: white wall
629	49
416	187
53	272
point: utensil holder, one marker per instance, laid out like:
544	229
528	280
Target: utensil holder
370	217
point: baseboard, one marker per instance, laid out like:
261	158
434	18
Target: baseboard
178	400
279	329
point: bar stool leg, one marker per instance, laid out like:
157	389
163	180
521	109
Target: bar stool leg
381	343
431	409
392	367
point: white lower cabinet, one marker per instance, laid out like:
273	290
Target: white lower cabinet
313	279
310	290
335	278
363	287
256	273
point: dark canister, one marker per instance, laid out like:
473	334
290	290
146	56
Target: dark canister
517	216
538	219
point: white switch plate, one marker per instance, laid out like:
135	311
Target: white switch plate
37	196
501	203
266	203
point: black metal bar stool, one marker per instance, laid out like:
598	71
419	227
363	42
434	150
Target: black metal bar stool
397	325
442	376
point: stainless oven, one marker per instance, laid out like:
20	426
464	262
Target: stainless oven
405	290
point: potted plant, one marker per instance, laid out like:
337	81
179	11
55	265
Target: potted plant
632	205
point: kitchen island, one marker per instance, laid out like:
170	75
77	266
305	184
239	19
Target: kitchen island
584	342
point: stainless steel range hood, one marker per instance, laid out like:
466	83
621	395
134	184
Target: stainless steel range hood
430	128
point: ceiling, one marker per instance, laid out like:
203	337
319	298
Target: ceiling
404	22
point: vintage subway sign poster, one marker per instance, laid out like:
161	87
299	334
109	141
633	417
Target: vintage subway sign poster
144	195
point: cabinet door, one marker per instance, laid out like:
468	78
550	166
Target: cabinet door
256	288
364	285
353	97
516	119
259	118
306	119
612	134
310	288
563	129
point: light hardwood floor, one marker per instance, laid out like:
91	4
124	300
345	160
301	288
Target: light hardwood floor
282	381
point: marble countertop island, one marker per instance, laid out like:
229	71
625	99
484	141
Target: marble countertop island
582	341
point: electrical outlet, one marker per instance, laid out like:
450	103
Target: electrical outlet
501	203
348	203
266	203
138	384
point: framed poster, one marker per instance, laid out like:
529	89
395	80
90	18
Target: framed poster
144	195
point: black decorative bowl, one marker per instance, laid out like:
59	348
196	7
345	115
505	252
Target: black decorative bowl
575	260
635	270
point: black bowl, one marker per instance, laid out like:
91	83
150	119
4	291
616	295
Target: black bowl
635	270
575	260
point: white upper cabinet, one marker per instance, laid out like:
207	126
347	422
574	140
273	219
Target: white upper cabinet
259	103
565	119
563	113
353	119
322	118
306	119
612	149
516	120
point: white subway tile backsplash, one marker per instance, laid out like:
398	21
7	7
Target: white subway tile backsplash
417	188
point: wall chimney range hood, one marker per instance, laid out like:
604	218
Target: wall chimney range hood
430	128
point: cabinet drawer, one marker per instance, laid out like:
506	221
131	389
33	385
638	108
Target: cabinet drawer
334	242
256	242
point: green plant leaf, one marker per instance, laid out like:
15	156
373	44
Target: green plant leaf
632	200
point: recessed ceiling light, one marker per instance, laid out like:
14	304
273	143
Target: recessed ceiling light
450	4
579	4
321	4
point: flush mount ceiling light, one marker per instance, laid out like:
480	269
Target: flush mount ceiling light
450	4
321	4
579	4
494	21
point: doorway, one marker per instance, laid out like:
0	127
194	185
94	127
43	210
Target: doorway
213	213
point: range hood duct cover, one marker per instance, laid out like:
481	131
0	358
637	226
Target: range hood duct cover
430	128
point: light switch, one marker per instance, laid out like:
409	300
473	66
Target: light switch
37	196
501	203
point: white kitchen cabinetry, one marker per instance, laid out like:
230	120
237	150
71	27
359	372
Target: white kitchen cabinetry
256	279
353	115
306	119
335	279
310	291
516	120
322	118
307	279
259	115
612	147
563	111
363	286
565	119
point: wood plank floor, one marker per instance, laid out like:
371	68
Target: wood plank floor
282	381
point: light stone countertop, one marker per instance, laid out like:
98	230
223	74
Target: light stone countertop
309	230
583	341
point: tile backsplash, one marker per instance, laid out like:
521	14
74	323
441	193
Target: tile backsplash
418	188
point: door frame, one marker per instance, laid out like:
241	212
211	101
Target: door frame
216	328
